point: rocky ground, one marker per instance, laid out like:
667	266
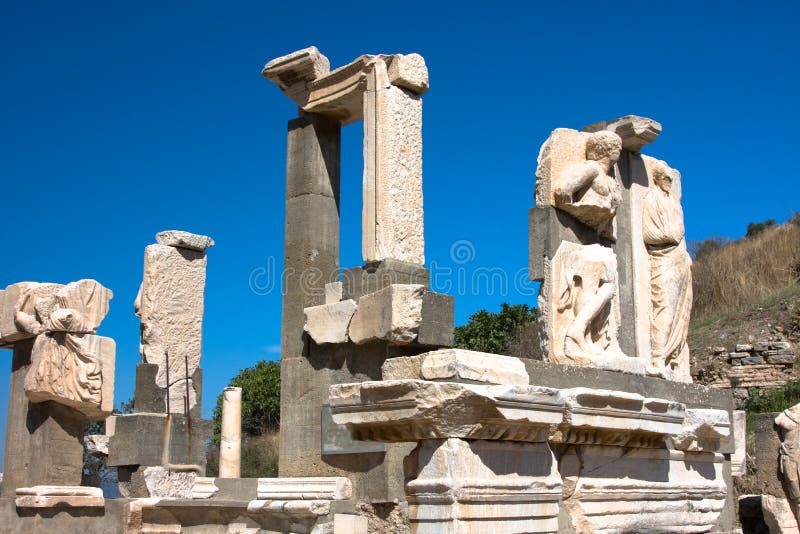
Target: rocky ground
712	340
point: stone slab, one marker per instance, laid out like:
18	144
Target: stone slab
140	439
181	239
739	455
53	496
457	365
305	488
766	461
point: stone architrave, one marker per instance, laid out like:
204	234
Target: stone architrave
703	430
579	304
384	91
170	306
76	370
410	410
305	488
230	446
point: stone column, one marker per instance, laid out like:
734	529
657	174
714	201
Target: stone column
311	259
230	447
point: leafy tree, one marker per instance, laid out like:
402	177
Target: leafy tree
493	332
756	228
261	399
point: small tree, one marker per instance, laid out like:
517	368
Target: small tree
493	332
754	229
261	399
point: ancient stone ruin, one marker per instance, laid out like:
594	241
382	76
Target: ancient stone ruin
385	425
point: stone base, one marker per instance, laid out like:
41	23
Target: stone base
463	486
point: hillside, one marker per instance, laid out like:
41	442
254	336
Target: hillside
745	327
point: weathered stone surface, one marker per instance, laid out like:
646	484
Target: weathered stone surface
140	439
204	488
788	424
333	292
410	72
457	365
436	328
230	446
96	444
459	486
409	410
76	370
616	489
778	515
635	131
670	272
181	239
52	496
10	298
170	305
618	418
703	430
169	483
304	488
44	441
393	211
739	456
573	174
579	306
392	314
328	323
349	524
78	307
374	276
294	72
767	464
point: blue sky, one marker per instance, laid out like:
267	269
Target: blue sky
121	119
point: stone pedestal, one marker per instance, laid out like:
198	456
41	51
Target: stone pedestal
44	441
460	486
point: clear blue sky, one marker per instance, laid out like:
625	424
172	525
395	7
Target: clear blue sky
120	119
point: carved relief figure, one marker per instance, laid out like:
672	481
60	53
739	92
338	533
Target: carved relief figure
67	368
670	275
586	318
789	423
587	190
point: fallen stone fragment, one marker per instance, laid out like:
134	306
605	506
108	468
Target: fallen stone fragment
457	365
328	323
181	239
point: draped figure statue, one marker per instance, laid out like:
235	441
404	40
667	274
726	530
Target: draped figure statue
789	424
670	276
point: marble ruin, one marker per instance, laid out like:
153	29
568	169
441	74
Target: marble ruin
385	425
596	194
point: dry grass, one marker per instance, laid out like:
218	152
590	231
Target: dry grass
748	271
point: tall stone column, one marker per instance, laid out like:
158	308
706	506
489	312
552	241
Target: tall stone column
230	447
311	259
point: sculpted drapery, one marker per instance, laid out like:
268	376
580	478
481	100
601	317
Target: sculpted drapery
670	276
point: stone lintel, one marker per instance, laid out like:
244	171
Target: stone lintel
305	77
635	131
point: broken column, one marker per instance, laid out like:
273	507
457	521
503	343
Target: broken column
166	432
62	376
230	446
